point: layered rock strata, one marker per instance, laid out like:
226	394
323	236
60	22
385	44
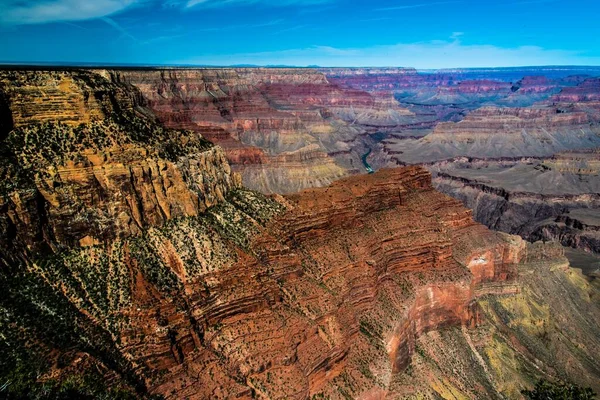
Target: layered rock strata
278	126
516	338
132	252
553	199
328	118
338	288
85	164
496	133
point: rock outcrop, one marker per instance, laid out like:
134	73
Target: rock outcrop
587	91
84	164
517	336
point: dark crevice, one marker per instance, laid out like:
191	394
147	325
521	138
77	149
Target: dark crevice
6	119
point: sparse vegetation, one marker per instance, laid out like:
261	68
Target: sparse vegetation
25	386
546	390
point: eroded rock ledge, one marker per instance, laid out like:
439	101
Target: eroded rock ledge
568	218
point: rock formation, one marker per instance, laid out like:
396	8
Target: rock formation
493	133
132	252
85	164
290	129
277	126
586	91
550	199
515	338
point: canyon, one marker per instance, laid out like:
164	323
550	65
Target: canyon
208	234
286	130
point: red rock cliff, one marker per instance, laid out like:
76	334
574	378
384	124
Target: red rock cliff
330	294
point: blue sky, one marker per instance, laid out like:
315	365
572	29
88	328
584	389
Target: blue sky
412	33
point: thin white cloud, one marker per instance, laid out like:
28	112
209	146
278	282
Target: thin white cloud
192	3
222	28
15	12
419	5
21	12
160	39
74	25
436	54
222	3
119	28
293	28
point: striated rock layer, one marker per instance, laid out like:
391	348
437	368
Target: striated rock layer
278	126
287	129
551	199
322	293
517	337
132	253
89	166
337	287
496	133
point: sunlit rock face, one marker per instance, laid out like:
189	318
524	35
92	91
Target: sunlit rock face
84	164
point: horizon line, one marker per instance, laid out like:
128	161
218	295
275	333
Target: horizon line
104	65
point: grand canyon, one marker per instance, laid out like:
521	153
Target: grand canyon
298	233
515	145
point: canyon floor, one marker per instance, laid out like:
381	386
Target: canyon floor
213	233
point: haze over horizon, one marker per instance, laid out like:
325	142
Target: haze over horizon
328	33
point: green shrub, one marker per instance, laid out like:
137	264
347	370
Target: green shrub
546	390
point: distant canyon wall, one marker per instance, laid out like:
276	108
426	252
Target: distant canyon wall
288	129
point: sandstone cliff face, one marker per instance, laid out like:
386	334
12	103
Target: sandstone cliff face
466	90
322	293
75	173
555	199
587	91
535	85
332	117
